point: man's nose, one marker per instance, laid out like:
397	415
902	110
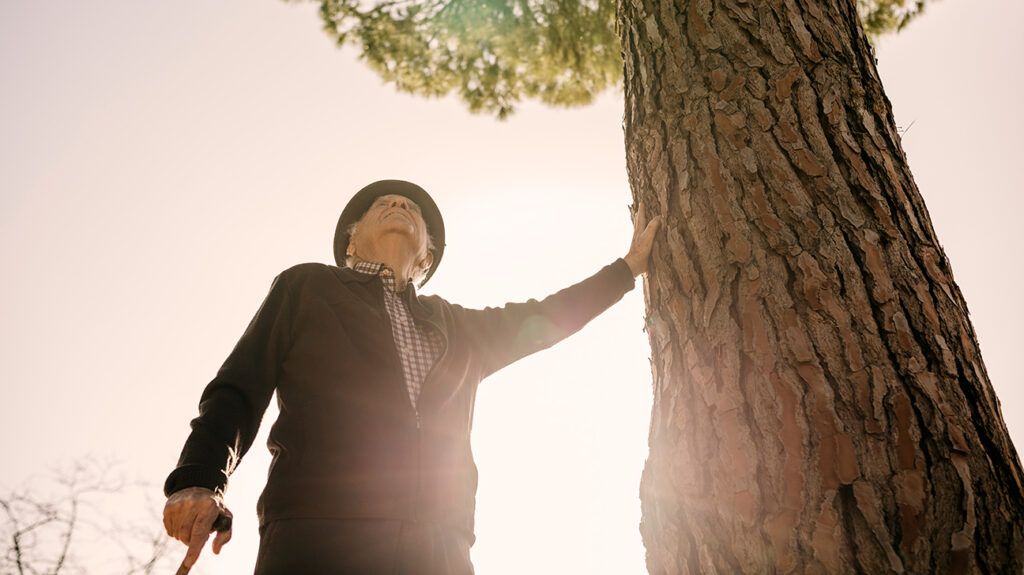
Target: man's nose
400	202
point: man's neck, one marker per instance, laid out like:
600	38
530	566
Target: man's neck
394	256
395	250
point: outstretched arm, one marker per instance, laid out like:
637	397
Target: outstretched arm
506	334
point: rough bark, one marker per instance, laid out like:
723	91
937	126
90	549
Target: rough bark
820	403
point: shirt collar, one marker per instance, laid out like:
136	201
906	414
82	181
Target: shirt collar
364	271
387	276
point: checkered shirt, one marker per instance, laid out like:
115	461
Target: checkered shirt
419	346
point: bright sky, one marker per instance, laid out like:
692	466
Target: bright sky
161	162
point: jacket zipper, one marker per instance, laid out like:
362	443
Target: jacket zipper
419	468
419	425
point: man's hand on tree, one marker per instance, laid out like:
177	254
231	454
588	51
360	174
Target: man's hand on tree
643	239
191	514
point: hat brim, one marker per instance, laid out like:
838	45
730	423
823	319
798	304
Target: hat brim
361	202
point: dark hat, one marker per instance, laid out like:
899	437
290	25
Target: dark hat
361	202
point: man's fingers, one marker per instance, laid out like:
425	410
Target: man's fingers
167	523
220	540
200	534
646	242
184	530
189	511
655	226
652	228
194	549
639	219
186	526
644	230
201	528
647	235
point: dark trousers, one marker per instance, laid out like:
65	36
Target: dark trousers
362	546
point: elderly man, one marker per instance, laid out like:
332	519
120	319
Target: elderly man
372	470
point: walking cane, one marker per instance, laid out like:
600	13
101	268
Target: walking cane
222	523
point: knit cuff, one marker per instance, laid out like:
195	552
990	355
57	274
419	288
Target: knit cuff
624	275
195	476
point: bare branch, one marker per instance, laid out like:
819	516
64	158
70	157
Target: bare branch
54	520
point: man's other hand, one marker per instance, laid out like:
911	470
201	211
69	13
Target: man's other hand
643	239
189	517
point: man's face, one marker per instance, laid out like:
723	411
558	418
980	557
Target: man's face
391	214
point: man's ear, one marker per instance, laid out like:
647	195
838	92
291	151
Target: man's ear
351	250
427	261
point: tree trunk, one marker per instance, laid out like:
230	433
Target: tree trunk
820	404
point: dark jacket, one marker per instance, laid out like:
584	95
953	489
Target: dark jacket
347	442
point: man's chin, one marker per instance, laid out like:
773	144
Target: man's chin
399	215
400	228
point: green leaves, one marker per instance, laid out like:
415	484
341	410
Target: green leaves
496	53
492	53
881	16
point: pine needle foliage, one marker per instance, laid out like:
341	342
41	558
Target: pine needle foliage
881	16
496	53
